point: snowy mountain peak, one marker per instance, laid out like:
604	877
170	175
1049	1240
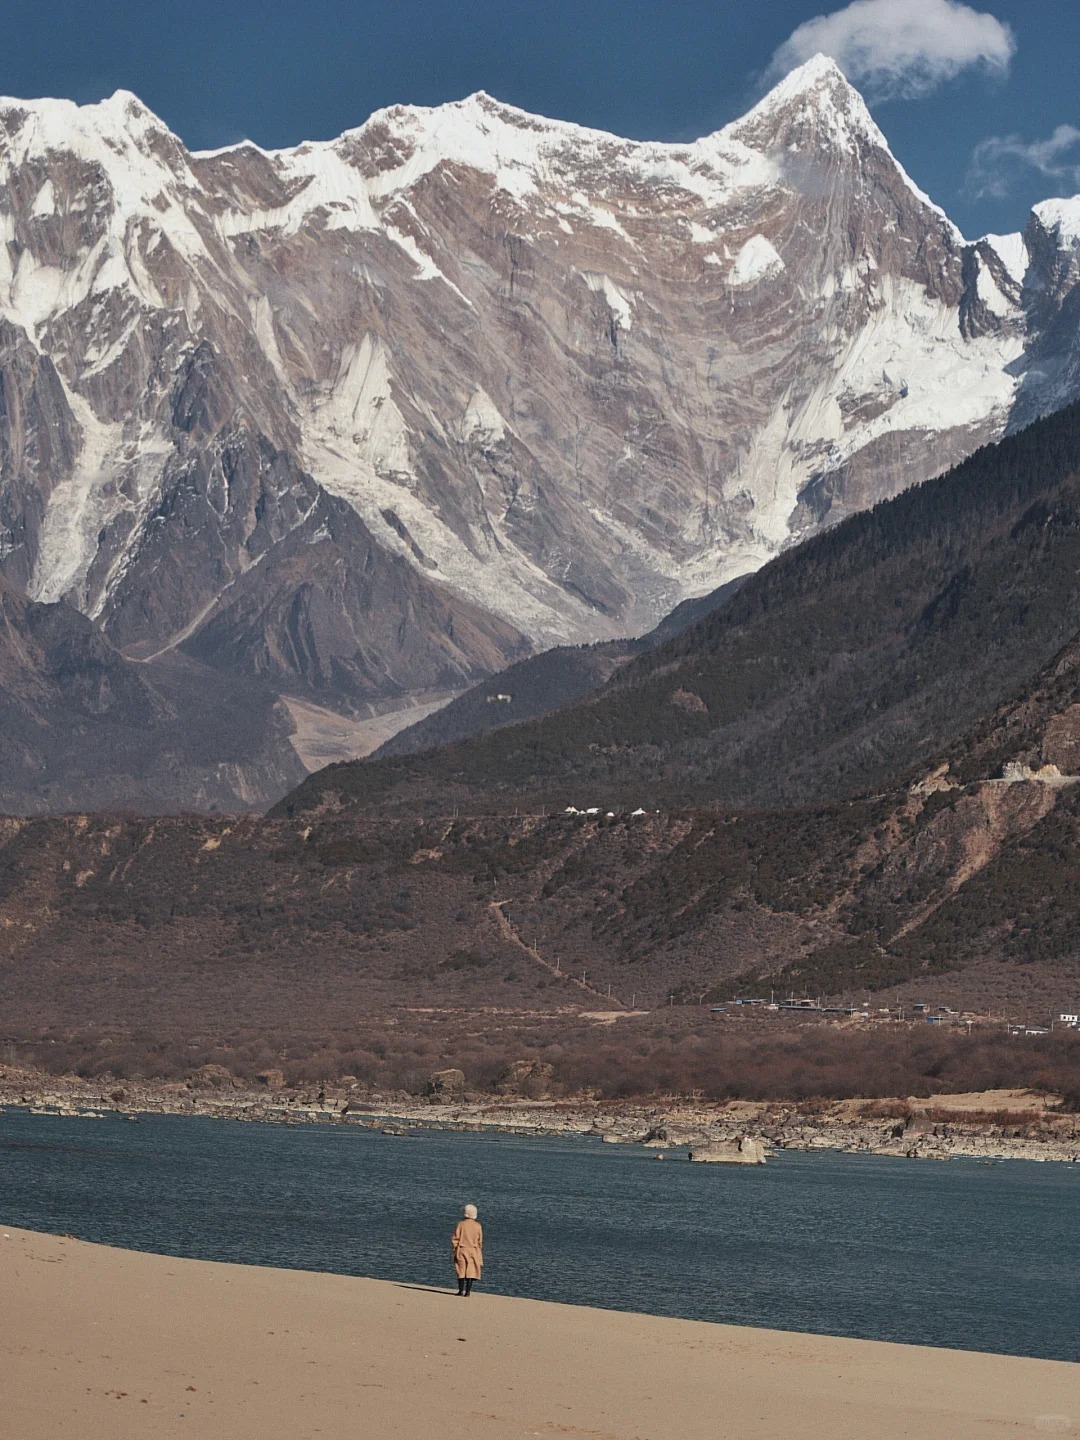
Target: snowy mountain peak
509	355
127	103
812	108
49	124
816	102
1060	218
1012	251
819	73
816	109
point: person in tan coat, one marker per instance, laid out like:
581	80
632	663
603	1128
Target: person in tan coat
467	1243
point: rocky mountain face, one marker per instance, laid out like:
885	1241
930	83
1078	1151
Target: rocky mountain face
381	415
81	726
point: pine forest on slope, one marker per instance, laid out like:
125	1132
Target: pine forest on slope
549	681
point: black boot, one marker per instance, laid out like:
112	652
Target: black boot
468	1287
461	1287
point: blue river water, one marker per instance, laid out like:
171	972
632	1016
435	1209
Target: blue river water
982	1257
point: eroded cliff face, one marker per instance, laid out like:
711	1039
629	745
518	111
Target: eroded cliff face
378	415
83	727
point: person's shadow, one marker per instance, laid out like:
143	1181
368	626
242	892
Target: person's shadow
426	1289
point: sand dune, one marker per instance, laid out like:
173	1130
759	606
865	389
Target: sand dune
102	1344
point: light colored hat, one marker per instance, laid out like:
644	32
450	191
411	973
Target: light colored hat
470	1212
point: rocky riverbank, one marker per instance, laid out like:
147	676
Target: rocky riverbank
991	1125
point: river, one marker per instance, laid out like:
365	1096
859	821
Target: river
968	1254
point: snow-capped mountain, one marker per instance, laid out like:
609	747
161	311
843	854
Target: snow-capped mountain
374	416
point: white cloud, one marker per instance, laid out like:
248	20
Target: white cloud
1001	159
900	49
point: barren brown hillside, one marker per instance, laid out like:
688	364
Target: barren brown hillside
384	947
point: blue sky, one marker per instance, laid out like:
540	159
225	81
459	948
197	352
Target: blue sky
979	101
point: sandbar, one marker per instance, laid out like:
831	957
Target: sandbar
105	1344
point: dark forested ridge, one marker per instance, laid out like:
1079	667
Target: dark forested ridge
546	682
530	689
842	663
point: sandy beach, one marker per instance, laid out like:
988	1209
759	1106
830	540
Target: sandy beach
104	1344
